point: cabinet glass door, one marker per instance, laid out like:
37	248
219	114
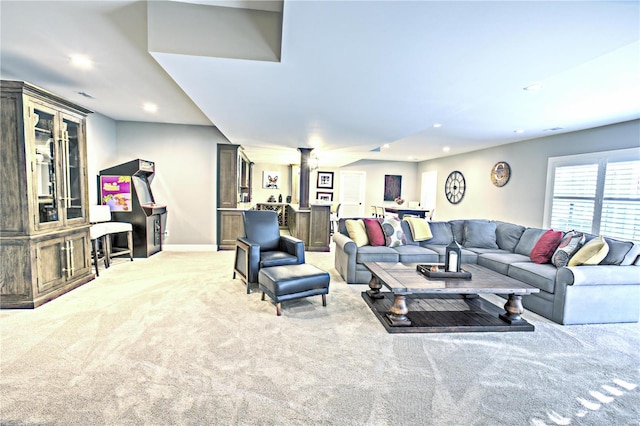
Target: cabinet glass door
73	172
46	165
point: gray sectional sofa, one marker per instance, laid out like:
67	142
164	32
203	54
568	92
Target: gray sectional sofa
605	293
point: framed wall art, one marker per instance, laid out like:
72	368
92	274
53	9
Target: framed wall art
325	180
324	196
271	180
392	187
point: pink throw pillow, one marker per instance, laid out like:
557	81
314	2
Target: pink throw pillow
374	232
546	246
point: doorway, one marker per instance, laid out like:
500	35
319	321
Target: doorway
428	190
352	193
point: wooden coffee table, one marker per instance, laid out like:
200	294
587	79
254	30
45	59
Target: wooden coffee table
444	304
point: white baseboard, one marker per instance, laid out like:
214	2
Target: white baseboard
189	247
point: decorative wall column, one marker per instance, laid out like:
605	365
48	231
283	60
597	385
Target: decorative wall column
304	177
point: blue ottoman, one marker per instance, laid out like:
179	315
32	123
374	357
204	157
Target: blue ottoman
290	282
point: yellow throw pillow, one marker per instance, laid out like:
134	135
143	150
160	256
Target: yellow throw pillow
420	229
591	253
357	231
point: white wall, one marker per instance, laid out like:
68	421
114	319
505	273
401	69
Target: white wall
101	150
521	200
185	179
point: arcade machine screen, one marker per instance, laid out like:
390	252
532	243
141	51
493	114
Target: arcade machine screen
144	191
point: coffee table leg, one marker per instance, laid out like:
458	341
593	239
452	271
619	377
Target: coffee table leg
514	310
374	288
397	315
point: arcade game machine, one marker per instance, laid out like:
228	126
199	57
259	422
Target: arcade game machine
126	189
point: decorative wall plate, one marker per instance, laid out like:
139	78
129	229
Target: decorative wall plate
454	187
500	173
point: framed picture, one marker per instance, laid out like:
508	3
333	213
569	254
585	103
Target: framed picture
392	187
271	180
324	196
325	180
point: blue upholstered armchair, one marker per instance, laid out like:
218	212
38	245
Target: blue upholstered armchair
263	246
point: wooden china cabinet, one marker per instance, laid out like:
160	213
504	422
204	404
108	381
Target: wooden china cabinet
234	193
44	225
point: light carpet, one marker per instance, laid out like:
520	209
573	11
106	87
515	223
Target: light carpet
173	339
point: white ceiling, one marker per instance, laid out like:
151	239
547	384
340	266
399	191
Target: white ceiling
348	76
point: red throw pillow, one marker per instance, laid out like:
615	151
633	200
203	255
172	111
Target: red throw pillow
374	232
546	245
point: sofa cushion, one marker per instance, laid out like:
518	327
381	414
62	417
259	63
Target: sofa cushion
441	232
508	235
529	238
357	232
617	251
468	256
420	229
374	232
479	233
416	254
457	228
376	254
545	246
591	253
570	244
406	229
633	257
542	276
500	261
393	231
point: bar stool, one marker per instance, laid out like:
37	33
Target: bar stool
100	217
116	228
98	233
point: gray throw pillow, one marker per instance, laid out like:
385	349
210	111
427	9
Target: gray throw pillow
441	232
480	234
508	235
529	238
457	227
617	251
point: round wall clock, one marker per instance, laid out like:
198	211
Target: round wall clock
500	173
454	187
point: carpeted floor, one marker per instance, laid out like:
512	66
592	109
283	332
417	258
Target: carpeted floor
173	339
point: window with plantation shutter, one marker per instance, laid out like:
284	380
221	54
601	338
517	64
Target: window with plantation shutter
621	200
595	193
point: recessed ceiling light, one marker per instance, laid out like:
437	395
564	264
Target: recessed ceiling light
81	61
386	145
446	149
553	129
533	87
518	131
150	107
437	125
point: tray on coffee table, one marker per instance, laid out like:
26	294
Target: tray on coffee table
433	270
